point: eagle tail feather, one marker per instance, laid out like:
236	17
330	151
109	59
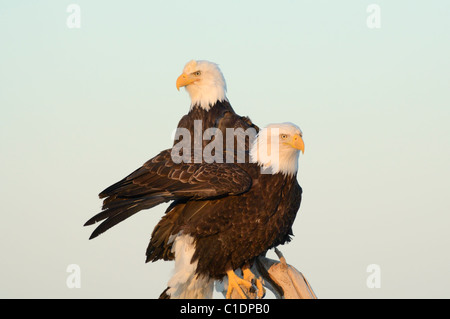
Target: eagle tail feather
113	216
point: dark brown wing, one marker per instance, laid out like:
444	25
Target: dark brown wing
161	180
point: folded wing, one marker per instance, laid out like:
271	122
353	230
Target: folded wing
161	180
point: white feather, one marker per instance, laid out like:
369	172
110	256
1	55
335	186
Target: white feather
210	88
185	284
273	155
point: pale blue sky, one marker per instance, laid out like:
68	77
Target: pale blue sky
82	108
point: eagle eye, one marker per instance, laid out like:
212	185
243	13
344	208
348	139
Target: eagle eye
283	136
197	73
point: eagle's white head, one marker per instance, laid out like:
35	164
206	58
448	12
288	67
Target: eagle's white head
277	148
204	82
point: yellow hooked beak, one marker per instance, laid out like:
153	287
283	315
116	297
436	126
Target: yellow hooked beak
297	142
185	79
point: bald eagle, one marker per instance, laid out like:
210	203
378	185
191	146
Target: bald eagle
206	86
251	209
215	206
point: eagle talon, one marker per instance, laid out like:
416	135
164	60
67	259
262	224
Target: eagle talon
250	277
234	282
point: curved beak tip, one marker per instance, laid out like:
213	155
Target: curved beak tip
299	144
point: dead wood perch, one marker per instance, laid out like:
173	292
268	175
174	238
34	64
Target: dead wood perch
284	280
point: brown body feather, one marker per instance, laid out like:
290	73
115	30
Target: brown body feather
161	180
235	229
233	212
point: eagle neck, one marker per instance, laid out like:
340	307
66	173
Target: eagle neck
222	105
